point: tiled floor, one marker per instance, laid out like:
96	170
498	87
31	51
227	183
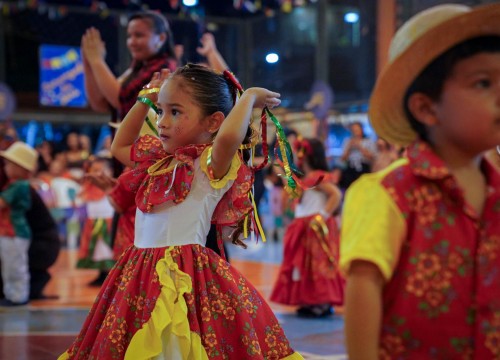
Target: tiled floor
42	330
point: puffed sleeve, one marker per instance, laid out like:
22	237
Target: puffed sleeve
231	174
373	228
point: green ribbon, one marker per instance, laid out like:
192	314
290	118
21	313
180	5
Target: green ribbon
151	126
285	153
148	102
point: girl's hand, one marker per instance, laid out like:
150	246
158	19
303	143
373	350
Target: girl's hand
93	48
156	82
263	97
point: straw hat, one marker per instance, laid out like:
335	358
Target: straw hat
145	129
21	154
415	45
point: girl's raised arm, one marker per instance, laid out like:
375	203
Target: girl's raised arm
233	129
96	100
131	125
103	80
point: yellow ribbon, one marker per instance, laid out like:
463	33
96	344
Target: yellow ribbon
254	140
245	227
153	170
318	225
257	220
97	227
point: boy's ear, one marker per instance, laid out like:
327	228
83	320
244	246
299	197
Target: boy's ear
215	121
422	107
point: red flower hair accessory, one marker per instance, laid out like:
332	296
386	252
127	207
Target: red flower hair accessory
303	146
228	75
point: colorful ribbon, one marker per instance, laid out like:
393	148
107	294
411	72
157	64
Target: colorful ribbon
318	225
151	126
285	157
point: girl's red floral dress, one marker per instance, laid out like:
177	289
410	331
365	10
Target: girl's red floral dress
169	297
309	274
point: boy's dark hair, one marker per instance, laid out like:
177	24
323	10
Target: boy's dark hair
430	81
160	25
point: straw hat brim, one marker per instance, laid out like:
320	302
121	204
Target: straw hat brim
386	110
25	158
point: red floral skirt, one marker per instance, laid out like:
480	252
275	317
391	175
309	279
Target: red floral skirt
184	298
309	274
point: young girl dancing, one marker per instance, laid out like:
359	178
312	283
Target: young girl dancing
309	275
169	297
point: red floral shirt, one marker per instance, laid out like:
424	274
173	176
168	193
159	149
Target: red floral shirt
442	296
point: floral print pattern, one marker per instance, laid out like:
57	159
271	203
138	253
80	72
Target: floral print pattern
150	185
224	311
430	276
443	300
232	319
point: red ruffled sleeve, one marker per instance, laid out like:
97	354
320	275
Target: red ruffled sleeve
153	180
315	177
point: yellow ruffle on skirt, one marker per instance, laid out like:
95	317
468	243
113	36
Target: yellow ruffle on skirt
167	331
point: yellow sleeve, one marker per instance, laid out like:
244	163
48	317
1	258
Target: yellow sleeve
373	228
231	174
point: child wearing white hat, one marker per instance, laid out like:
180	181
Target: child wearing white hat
20	161
420	240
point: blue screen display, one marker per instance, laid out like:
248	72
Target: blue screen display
61	76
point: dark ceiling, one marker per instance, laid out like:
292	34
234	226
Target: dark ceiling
222	8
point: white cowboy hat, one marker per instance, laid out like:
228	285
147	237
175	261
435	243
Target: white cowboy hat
415	45
21	154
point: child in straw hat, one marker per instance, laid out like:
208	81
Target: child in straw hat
15	234
420	241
